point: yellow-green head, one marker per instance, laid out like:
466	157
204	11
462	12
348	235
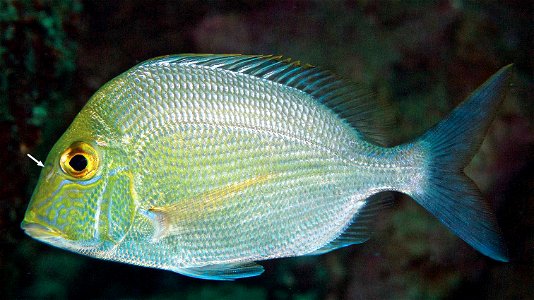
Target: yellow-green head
72	206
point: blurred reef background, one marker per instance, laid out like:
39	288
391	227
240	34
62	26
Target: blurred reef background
419	57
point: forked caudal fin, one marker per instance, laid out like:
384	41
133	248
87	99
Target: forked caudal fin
449	146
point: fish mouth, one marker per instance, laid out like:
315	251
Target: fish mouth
55	237
39	231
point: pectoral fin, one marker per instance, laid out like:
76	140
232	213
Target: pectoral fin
230	271
167	219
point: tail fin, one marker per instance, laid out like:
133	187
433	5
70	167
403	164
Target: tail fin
449	146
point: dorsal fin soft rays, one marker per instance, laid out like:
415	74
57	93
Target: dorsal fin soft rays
351	102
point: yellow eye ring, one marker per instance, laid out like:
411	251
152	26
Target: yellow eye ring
80	161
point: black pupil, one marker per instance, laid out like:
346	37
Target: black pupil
78	162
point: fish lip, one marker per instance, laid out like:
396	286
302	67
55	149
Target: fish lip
39	231
54	237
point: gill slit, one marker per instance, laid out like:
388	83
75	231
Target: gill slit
98	210
122	170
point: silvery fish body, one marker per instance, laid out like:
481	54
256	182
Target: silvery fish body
206	164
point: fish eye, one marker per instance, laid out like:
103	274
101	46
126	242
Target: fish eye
79	160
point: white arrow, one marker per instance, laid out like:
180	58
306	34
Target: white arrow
39	163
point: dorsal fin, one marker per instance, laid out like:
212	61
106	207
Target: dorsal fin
350	101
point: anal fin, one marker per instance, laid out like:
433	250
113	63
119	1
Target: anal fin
358	230
229	271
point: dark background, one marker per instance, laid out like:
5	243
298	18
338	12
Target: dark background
420	58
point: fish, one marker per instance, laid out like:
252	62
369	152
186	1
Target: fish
206	164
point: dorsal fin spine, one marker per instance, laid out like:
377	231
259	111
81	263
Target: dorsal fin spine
315	85
298	77
284	78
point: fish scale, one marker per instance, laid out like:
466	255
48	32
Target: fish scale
186	108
